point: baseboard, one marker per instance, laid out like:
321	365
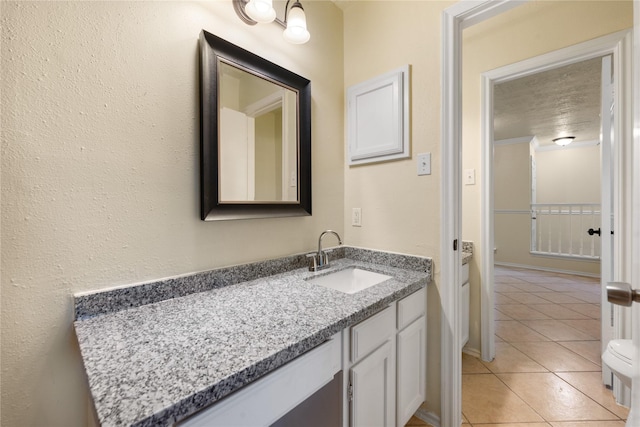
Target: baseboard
550	270
428	417
472	352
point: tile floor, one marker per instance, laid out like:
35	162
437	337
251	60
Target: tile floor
547	367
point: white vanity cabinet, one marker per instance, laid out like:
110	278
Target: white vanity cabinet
386	364
372	373
464	304
383	378
411	356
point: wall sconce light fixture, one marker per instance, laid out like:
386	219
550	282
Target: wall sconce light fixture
565	140
252	12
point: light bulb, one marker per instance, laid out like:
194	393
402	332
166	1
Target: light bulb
261	11
296	31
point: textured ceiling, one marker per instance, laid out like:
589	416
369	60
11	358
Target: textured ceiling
560	102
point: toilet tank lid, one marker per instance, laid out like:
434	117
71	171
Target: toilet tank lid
622	349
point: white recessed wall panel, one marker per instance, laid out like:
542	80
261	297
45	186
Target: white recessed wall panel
378	118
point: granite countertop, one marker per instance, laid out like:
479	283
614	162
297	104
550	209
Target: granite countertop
152	364
467	251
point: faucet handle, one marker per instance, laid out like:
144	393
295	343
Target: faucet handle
314	263
325	256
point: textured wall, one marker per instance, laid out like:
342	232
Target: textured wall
100	170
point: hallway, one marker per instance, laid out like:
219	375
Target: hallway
547	366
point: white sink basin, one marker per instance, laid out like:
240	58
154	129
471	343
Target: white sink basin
349	280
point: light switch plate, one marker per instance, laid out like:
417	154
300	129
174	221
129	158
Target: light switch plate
356	217
424	164
469	177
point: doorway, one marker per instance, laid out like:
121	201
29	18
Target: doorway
609	47
456	18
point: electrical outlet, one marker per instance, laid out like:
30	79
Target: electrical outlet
293	179
424	164
356	217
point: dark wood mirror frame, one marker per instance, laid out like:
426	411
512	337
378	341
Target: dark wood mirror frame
212	209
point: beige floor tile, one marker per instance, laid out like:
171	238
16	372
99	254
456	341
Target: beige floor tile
530	287
498	315
590	383
485	399
541	278
514	425
556	311
514	331
558	330
521	312
591	310
591	327
563	287
417	422
589	424
527	298
510	359
508	279
554	399
591	298
590	350
504	299
555	357
593	281
473	365
558	297
464	419
505	288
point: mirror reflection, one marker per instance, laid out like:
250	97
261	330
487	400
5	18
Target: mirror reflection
258	138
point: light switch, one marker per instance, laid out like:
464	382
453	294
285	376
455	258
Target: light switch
469	177
424	164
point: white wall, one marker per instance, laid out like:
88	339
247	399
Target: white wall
100	170
570	175
563	176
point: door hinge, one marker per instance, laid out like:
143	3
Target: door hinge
350	393
455	244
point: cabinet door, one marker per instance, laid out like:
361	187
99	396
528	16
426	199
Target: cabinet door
373	382
411	370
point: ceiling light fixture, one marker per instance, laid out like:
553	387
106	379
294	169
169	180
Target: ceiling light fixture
252	12
261	11
565	140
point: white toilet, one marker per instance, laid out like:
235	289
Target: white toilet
617	357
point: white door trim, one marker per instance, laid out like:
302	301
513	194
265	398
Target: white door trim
615	44
454	19
634	416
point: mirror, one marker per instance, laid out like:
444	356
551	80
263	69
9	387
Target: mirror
255	135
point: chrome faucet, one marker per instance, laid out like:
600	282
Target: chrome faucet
321	258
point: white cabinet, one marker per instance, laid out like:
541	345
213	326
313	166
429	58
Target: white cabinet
387	365
411	356
372	374
464	304
372	381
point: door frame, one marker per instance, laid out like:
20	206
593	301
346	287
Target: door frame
634	416
617	45
454	19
